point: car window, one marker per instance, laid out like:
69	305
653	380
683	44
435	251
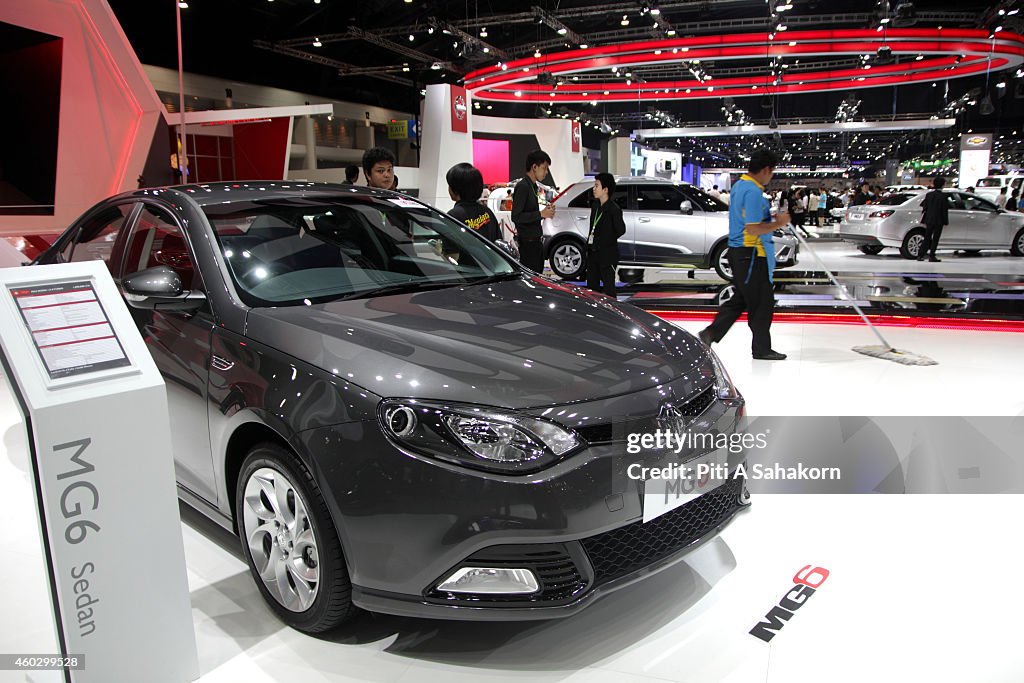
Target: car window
1015	183
956	200
156	240
990	182
97	237
584	199
894	199
702	200
972	202
285	253
658	198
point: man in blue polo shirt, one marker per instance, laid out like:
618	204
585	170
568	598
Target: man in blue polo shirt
752	257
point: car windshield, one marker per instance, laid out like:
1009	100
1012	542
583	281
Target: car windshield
990	182
305	250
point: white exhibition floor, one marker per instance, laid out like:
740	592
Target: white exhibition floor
921	588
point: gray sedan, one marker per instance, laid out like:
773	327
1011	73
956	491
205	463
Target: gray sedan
895	221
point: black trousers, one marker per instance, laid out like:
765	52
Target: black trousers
531	253
754	296
932	233
601	269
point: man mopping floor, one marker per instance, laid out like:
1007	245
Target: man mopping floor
752	258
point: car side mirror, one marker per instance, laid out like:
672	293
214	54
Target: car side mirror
160	288
508	248
686	207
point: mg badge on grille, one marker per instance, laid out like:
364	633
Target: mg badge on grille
670	417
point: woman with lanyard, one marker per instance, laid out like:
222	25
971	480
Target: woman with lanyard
606	227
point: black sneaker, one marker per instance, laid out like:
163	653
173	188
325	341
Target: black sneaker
771	355
705	336
921	257
934	259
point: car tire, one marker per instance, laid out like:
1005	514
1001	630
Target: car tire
290	542
1017	247
568	259
720	261
871	249
913	244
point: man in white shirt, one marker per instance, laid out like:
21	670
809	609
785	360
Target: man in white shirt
1001	199
715	193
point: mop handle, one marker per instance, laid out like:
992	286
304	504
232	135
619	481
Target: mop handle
845	294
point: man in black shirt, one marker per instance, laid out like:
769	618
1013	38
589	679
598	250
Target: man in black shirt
862	195
935	215
465	185
606	227
526	213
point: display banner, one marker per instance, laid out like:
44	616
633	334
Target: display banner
894	455
577	136
460	109
975	156
94	407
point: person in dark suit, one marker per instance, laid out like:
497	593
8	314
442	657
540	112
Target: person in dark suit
606	227
935	216
527	214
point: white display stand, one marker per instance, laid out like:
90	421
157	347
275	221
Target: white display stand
96	412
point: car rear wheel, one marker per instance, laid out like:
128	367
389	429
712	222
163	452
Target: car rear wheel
567	259
289	541
871	249
1017	248
913	244
720	261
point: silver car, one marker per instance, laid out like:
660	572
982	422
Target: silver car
667	224
895	221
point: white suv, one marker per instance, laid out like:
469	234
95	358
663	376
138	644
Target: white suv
666	224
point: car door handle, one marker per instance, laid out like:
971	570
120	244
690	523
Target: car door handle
581	218
644	219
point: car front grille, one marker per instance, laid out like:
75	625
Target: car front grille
559	578
612	432
621	551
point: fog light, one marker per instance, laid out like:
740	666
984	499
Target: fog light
490	580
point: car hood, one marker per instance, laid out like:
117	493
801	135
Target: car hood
520	343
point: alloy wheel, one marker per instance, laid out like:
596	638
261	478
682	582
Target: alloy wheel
567	259
723	263
915	244
281	540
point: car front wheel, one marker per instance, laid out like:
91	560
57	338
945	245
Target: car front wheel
567	259
289	541
913	244
720	262
1017	248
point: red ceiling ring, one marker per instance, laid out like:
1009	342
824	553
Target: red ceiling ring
947	54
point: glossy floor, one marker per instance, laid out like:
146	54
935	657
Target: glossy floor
890	610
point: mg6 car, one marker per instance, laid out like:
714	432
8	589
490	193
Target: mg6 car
393	414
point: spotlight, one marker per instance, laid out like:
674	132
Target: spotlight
904	15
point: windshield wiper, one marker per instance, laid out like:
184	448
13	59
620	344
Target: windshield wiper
400	288
500	277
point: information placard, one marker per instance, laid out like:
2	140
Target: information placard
70	329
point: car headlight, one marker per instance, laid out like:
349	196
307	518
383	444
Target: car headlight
724	388
480	437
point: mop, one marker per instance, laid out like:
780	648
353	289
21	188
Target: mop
885	351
